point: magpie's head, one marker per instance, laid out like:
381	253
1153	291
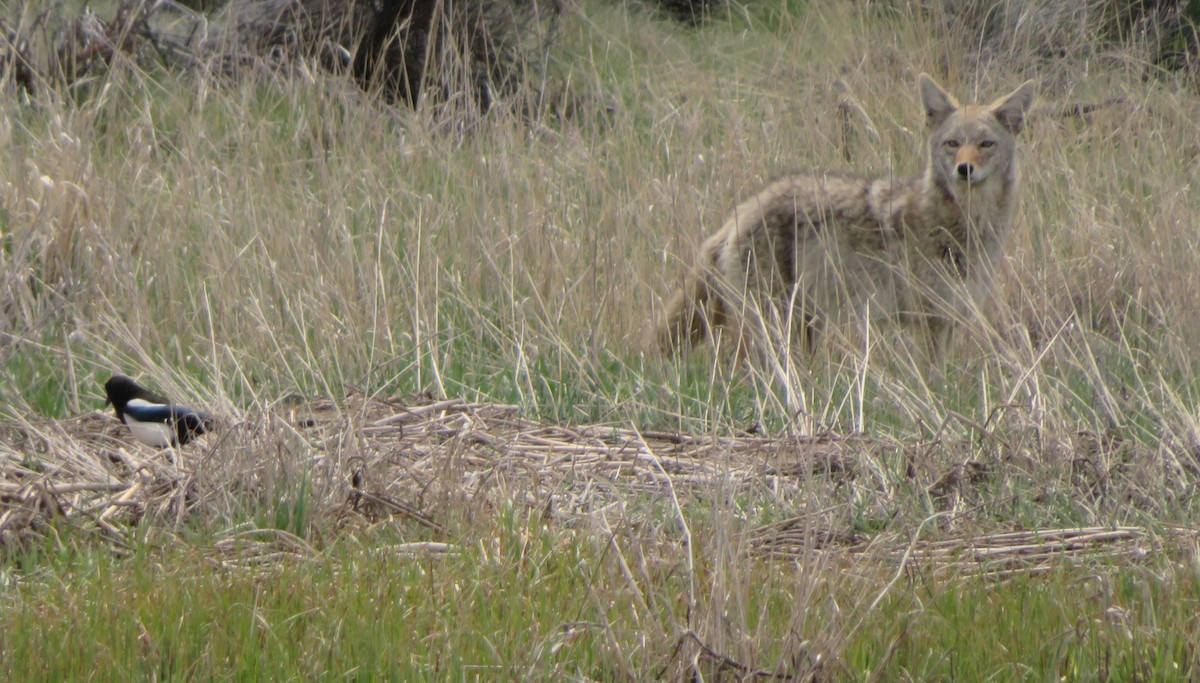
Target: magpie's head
121	390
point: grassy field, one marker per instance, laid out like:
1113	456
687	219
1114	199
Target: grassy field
285	245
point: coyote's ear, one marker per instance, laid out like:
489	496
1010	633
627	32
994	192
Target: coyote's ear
1011	109
938	103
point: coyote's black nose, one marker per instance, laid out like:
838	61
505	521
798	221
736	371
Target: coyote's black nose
965	170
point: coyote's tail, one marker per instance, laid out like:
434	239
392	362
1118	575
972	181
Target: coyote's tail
691	314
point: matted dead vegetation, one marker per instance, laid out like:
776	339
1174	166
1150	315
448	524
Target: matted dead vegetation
429	466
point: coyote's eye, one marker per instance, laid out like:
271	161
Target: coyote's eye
952	144
987	143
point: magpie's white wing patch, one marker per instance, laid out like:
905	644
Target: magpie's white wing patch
145	411
153	434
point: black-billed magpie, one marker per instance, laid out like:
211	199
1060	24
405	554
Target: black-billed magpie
154	420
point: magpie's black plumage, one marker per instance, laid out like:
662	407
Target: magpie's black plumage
154	420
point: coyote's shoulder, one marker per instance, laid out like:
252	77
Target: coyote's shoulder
810	249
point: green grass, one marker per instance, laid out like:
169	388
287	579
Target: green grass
526	600
1080	623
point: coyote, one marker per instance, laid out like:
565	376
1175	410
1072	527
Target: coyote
813	249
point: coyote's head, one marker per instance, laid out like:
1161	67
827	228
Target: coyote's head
970	144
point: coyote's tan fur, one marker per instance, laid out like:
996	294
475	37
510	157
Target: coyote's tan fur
813	249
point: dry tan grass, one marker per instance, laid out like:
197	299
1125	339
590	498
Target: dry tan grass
230	244
439	467
234	242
